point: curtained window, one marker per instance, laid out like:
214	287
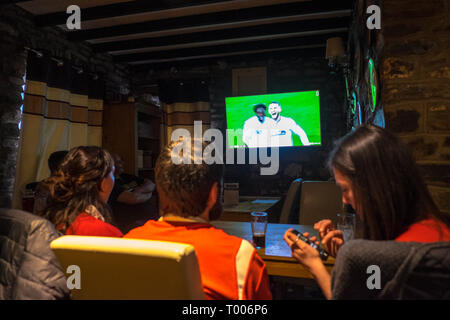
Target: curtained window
183	102
62	109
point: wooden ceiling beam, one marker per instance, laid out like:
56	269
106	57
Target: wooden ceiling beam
145	10
283	29
262	15
151	9
250	56
285	43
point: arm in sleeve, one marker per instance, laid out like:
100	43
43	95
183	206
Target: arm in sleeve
301	133
44	276
146	187
257	285
246	133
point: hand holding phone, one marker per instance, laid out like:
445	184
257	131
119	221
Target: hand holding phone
323	254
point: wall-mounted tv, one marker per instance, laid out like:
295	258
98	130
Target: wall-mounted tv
289	119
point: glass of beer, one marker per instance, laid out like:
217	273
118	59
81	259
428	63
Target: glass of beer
259	227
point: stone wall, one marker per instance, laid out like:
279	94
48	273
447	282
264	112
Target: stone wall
12	70
412	53
416	79
17	30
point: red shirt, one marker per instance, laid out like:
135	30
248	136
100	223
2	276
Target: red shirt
230	267
427	230
87	225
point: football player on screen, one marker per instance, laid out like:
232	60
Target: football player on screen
283	127
257	129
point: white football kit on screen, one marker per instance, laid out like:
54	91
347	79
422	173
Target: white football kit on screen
282	130
256	133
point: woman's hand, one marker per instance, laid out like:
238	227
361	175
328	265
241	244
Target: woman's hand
331	238
303	252
310	258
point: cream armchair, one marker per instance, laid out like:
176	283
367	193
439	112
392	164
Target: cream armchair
115	268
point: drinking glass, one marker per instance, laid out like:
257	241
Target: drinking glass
346	222
259	227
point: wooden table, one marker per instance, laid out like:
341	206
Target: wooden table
246	205
277	254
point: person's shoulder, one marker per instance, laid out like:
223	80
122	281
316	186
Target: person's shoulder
87	225
270	121
289	121
251	119
426	230
221	235
144	231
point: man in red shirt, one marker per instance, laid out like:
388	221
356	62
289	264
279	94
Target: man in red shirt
189	196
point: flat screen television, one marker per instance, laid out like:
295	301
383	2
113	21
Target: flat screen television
289	119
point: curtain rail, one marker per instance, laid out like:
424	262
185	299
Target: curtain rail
60	63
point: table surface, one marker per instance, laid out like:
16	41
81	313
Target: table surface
246	205
277	254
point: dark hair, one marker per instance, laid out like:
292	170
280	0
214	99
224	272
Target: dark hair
55	159
259	105
75	186
388	189
184	188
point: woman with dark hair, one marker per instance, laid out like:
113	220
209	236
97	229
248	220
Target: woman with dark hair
378	177
79	193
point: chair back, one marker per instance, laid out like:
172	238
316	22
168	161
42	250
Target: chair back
402	270
319	200
290	210
116	268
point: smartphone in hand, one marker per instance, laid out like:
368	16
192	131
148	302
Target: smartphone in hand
323	254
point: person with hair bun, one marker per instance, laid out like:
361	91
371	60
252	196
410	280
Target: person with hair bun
79	193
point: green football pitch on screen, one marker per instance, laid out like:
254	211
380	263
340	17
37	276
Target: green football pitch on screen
302	107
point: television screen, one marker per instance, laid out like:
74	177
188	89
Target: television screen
281	119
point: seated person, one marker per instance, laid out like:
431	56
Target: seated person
189	197
79	192
378	177
41	192
29	270
129	189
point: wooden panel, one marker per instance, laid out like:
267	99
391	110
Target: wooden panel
119	133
